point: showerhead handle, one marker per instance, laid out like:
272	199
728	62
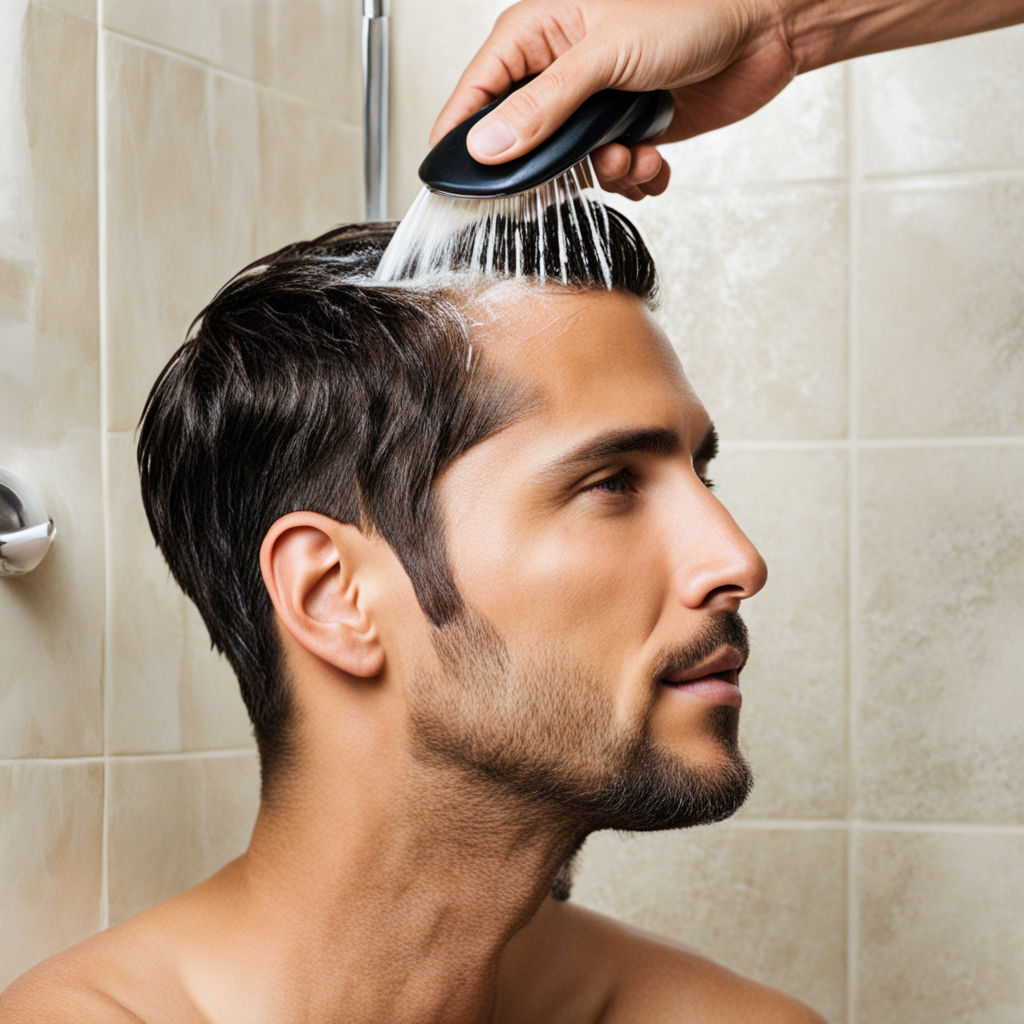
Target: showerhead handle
608	116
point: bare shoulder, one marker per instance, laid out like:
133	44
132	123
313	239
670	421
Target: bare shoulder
657	980
115	977
68	986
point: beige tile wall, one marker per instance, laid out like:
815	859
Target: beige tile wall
154	148
843	278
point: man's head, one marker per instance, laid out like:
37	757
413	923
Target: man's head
529	455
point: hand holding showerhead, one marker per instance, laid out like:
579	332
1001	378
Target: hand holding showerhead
500	219
608	116
721	60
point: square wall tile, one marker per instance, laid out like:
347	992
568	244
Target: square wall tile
51	699
218	32
945	107
799	135
174	823
754	287
50	696
431	44
941	563
50	368
312	49
792	505
311	174
942	310
51	849
769	903
183	188
941	928
167	690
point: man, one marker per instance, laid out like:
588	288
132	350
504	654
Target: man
458	543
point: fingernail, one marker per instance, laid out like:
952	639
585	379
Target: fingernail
492	138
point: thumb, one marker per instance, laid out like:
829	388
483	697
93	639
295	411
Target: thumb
533	113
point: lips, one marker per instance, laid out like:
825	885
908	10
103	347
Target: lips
715	680
725	664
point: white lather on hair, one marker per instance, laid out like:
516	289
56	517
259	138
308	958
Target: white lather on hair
443	235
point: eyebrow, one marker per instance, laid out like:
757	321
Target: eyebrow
653	440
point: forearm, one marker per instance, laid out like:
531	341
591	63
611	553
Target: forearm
822	32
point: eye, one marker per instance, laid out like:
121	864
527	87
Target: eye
618	483
709	484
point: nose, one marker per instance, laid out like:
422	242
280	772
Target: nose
717	566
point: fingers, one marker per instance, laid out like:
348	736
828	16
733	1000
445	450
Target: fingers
525	39
463	103
633	173
534	112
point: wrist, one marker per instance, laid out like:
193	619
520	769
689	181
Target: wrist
819	32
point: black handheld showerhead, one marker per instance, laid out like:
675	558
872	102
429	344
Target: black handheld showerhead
532	212
608	116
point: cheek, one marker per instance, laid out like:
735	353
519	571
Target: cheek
589	579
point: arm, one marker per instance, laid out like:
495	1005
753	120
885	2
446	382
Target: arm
825	31
721	59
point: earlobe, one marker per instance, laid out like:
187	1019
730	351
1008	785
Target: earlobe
312	567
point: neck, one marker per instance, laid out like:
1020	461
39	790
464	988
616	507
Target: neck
360	902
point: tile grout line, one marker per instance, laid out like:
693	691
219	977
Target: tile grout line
942	827
852	527
955	178
844	824
104	759
101	254
184	755
1006	441
861	444
233	76
50	762
907	180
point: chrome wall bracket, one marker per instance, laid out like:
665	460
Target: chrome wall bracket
26	531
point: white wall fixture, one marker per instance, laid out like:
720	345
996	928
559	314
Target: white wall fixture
26	531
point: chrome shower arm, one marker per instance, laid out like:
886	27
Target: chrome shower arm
376	105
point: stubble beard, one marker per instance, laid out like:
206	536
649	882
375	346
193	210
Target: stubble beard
540	728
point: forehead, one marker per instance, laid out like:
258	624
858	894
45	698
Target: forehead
591	360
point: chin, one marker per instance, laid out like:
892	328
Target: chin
660	789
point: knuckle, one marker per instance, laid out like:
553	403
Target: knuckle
509	16
529	103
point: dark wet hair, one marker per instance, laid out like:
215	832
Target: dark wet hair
305	385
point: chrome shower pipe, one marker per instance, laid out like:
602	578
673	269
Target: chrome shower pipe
376	106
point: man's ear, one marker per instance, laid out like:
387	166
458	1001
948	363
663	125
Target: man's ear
313	567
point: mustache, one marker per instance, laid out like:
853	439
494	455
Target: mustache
727	630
